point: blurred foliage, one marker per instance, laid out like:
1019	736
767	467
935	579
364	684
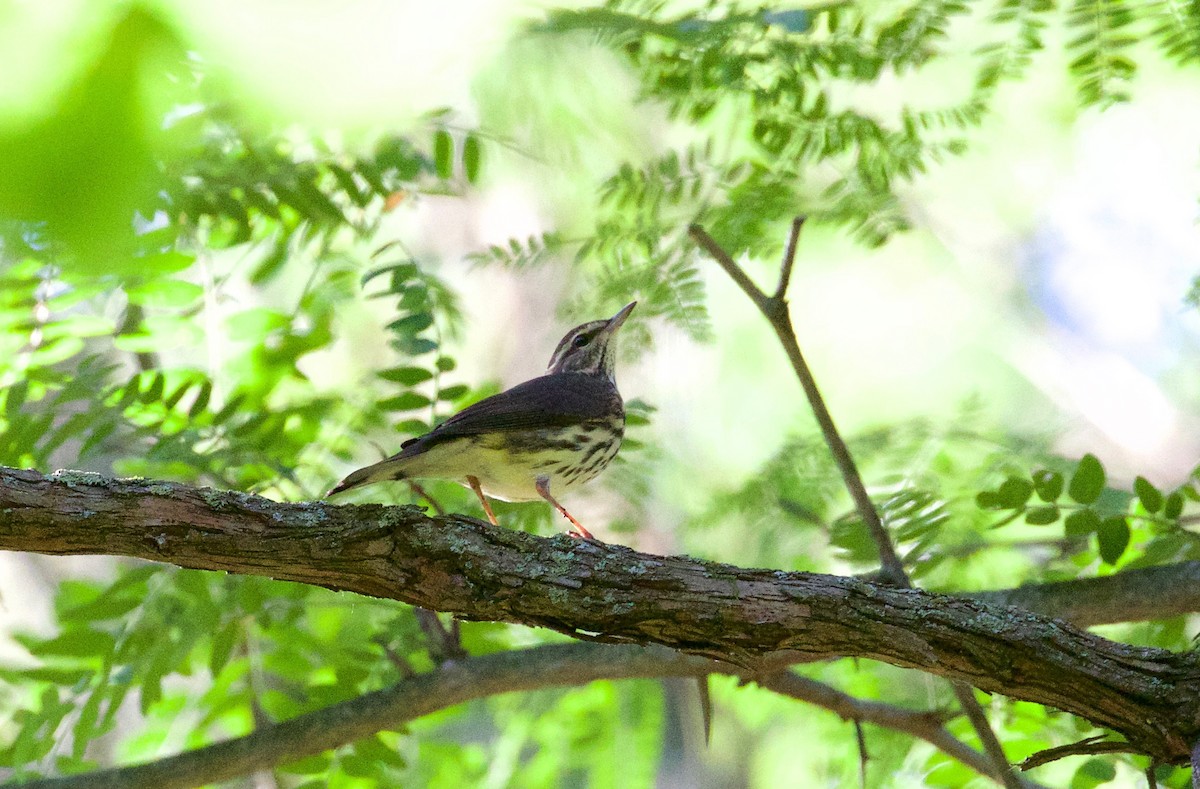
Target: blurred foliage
173	281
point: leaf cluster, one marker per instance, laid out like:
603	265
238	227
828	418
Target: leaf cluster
1093	510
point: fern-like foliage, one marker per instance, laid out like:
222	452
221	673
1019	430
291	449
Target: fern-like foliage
193	361
1021	26
1177	29
1103	35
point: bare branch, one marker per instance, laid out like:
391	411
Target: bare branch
789	258
775	311
1128	596
473	678
1090	746
991	745
926	725
891	568
863	756
701	236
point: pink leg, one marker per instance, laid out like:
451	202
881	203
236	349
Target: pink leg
543	489
487	507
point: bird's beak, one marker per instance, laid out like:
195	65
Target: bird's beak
615	321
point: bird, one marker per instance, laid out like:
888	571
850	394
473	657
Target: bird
540	438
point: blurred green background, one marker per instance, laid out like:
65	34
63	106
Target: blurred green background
255	245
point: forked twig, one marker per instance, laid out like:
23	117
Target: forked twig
1092	745
775	309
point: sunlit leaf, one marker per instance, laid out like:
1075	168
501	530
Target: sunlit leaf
1087	483
1113	538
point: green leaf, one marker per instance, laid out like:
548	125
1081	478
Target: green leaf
167	294
411	324
1047	484
1014	492
445	364
989	500
451	393
1113	538
14	398
405	402
412	427
409	376
88	158
400	272
1081	523
256	323
443	154
81	642
1041	516
272	263
1092	773
1150	496
222	645
471	157
201	402
413	346
154	392
1173	507
1087	483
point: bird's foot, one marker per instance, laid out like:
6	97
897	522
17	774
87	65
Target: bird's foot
580	533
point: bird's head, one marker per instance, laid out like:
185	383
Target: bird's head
588	348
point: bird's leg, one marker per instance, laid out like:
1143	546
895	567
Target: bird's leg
474	483
543	489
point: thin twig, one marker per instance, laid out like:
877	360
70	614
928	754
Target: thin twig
789	257
928	725
706	707
863	756
892	571
420	491
443	643
775	311
1090	746
701	236
991	744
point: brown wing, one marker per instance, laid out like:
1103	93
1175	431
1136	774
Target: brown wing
559	400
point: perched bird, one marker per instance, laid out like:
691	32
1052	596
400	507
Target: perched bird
549	434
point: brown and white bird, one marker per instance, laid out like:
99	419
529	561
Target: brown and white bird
539	438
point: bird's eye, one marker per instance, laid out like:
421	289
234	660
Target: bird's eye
581	341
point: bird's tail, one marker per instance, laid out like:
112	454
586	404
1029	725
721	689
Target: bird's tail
383	470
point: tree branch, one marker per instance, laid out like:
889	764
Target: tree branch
1090	746
1128	596
925	725
762	620
557	665
775	310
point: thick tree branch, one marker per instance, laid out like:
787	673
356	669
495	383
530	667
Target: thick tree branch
762	620
1129	596
453	683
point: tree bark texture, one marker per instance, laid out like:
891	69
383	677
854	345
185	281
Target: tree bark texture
758	619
